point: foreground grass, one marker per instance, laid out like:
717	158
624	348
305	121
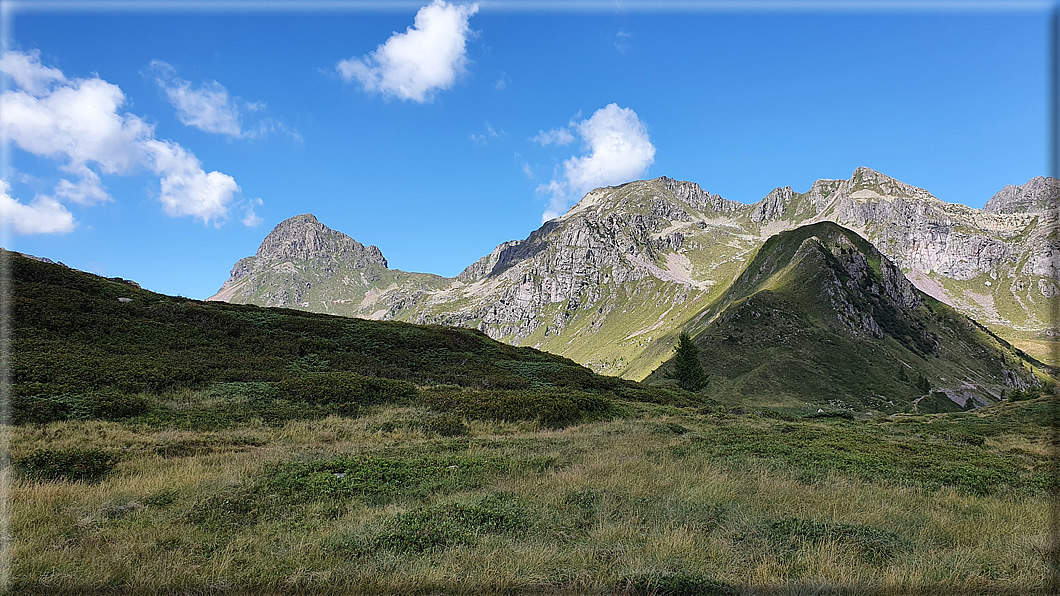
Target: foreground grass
660	500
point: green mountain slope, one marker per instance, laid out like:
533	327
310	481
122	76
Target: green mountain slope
86	345
819	318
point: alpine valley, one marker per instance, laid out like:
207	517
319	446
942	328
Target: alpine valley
905	286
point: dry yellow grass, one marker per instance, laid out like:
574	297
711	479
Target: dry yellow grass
611	504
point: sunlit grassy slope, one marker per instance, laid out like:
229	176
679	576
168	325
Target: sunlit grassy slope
819	318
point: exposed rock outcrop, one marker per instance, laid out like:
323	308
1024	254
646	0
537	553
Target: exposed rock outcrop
609	281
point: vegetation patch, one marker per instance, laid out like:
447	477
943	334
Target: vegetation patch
330	486
86	465
813	450
429	528
101	405
674	584
348	388
551	408
874	544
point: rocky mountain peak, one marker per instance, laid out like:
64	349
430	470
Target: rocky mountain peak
773	205
1039	195
303	238
868	183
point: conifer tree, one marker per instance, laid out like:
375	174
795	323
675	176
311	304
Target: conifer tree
688	370
923	385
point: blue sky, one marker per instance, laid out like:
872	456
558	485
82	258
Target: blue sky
163	145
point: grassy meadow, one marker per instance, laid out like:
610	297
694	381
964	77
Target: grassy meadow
164	445
643	499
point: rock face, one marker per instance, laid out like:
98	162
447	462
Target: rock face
303	238
612	282
1040	195
821	317
303	263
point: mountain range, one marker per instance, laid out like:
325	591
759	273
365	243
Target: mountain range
612	282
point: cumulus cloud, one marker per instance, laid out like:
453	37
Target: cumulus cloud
26	71
186	188
43	215
78	122
617	149
427	57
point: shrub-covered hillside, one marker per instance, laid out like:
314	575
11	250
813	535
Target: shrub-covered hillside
92	347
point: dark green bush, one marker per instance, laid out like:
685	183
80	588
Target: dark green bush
552	408
112	405
88	465
874	544
105	405
446	425
674	584
425	529
346	387
40	409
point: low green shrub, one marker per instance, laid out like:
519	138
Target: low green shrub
873	544
428	528
42	409
674	584
346	387
551	408
113	405
446	425
88	465
103	405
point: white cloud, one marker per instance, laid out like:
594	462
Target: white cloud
491	133
208	107
186	188
556	136
617	150
86	191
78	122
622	41
427	57
44	215
26	71
251	219
502	82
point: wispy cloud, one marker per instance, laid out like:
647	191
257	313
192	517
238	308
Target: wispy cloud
617	149
502	82
426	58
556	136
210	108
483	138
623	41
77	122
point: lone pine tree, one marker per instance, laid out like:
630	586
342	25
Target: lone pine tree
688	370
